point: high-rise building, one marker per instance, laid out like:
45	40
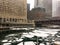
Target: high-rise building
28	11
13	12
37	14
47	4
56	8
38	3
16	9
13	8
28	7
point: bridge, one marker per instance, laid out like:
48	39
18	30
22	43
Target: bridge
55	21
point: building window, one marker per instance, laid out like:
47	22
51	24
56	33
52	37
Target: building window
10	19
0	19
37	3
21	20
7	20
4	19
15	20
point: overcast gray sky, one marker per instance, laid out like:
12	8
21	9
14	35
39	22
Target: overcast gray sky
31	3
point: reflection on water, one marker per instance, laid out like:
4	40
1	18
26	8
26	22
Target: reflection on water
36	37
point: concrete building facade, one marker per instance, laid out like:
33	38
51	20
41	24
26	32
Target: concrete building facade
16	9
38	3
37	14
47	4
56	8
13	13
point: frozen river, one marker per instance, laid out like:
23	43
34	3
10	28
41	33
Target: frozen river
44	33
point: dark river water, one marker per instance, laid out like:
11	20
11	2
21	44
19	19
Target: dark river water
32	37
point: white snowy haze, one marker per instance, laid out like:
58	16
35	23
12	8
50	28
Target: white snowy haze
31	2
56	8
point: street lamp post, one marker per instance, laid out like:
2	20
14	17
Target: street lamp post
37	40
23	43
